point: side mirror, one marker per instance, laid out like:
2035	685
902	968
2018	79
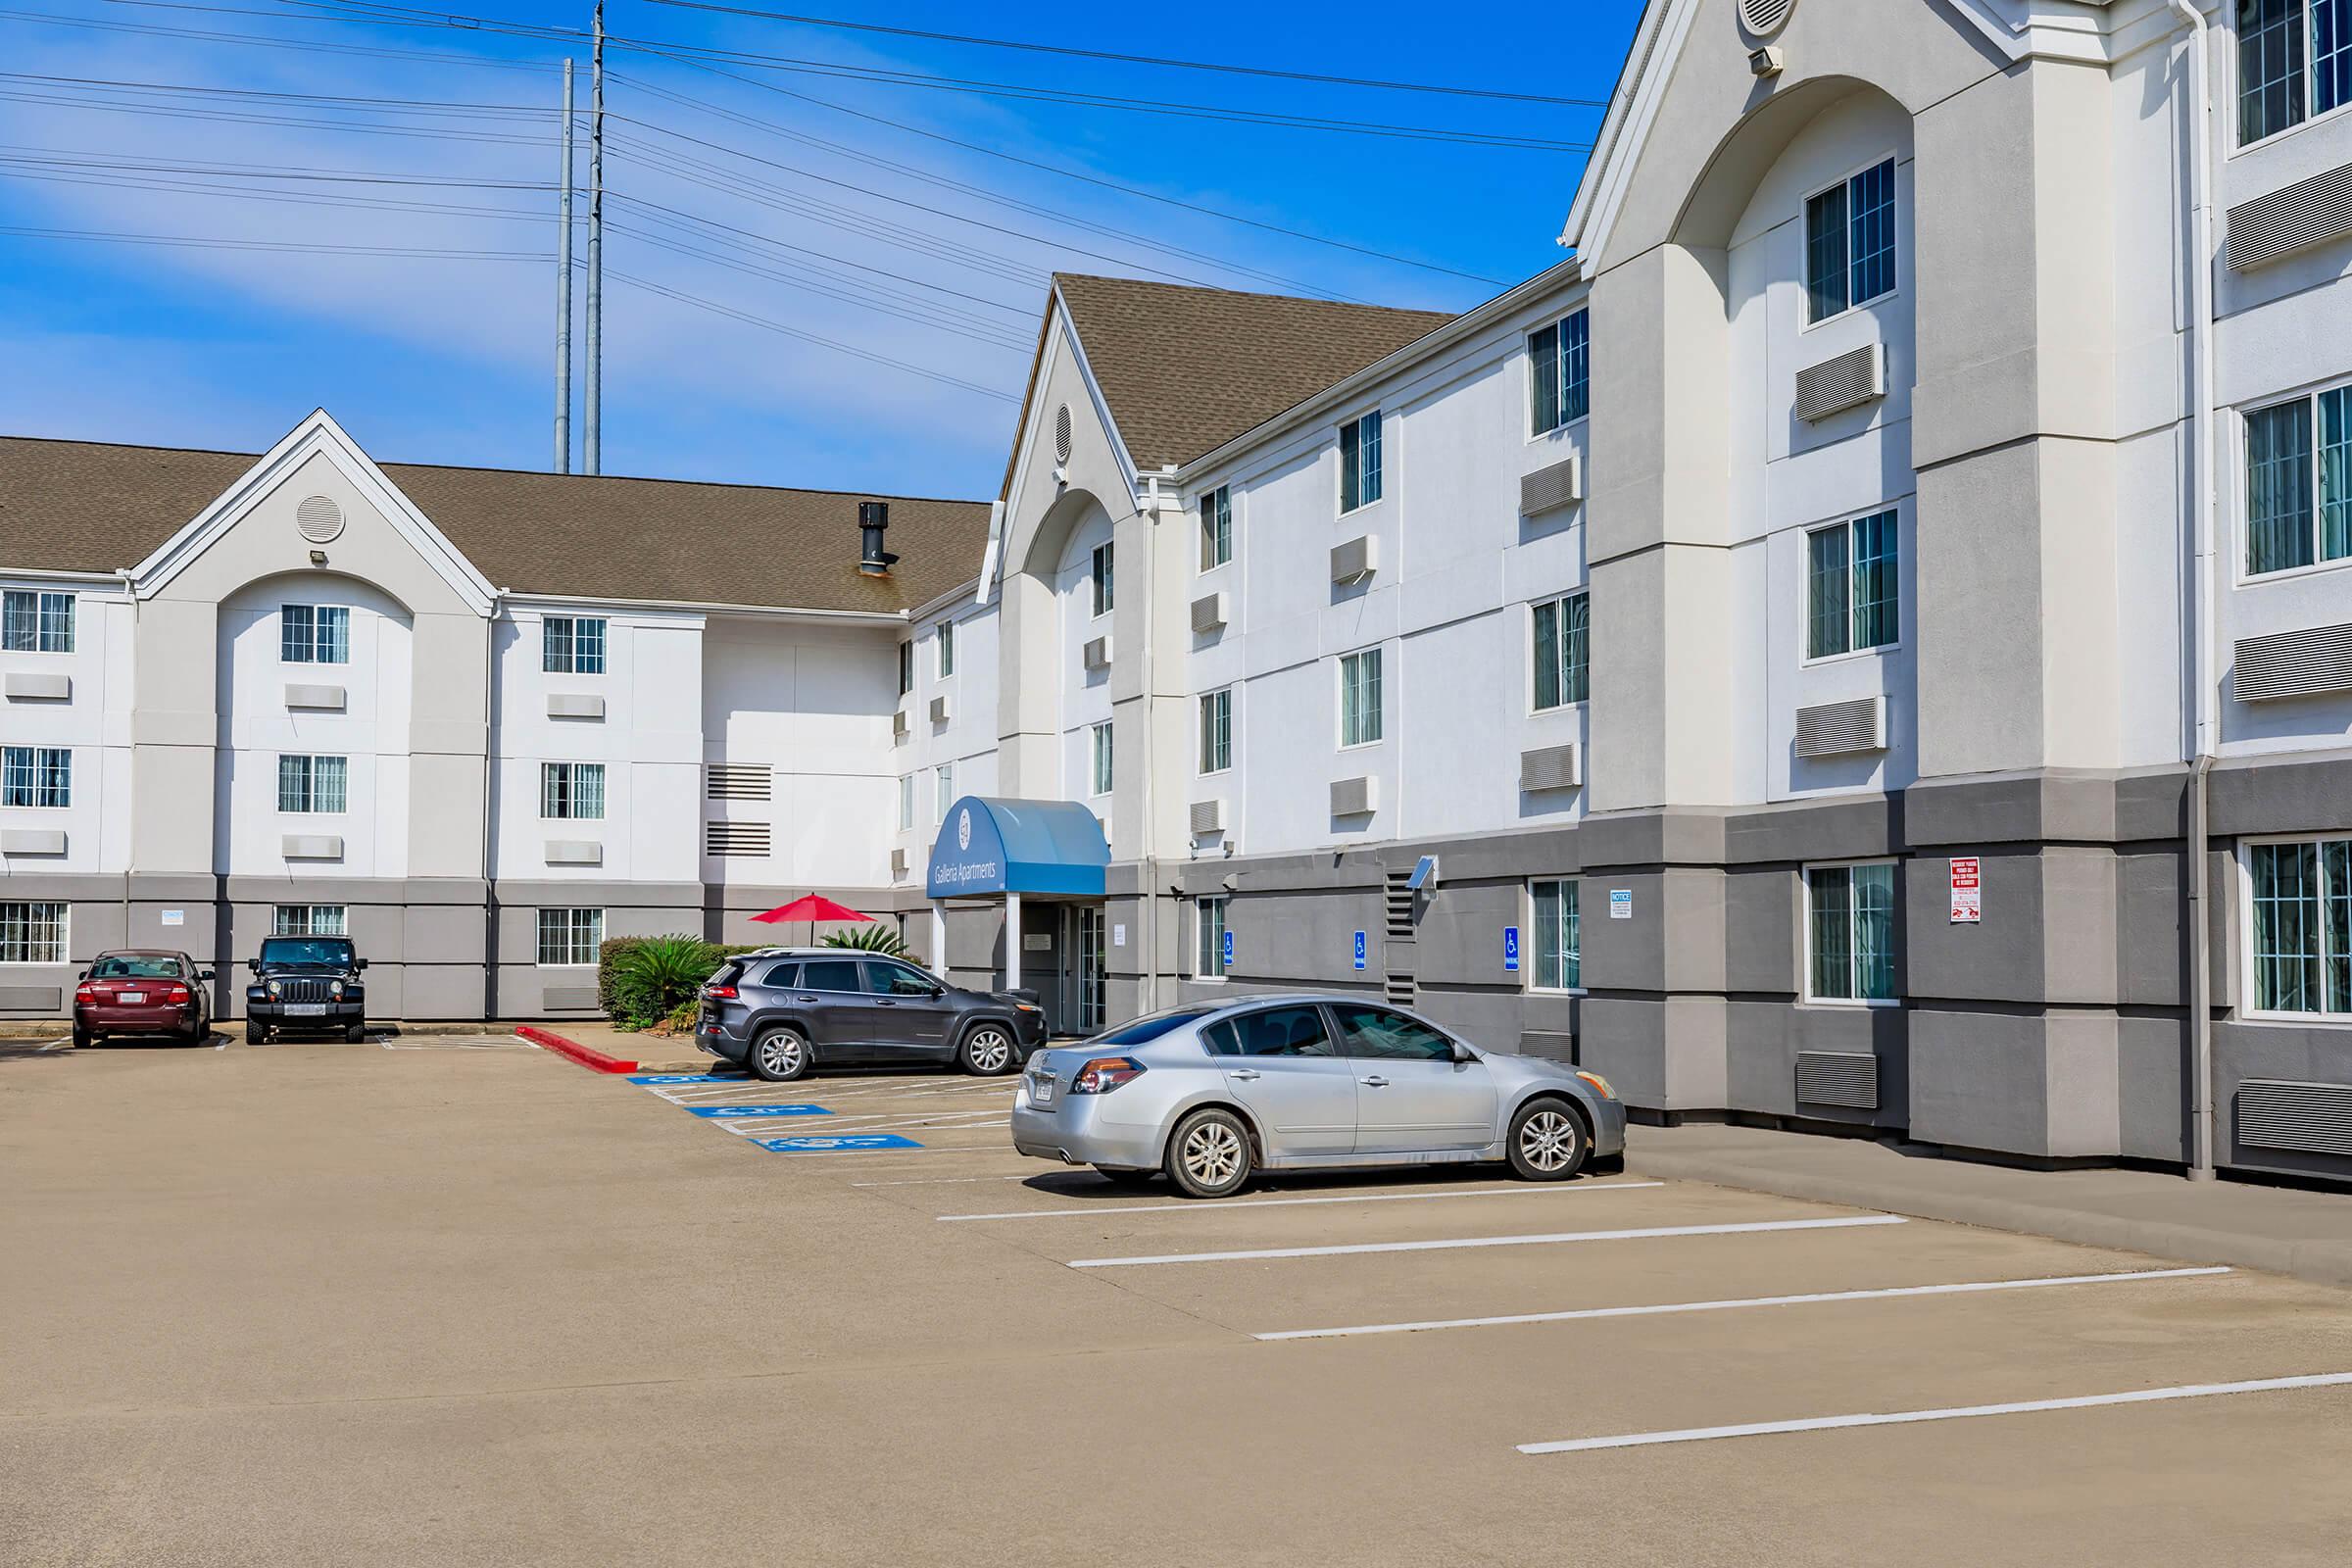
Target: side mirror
204	974
358	963
84	975
1462	1053
255	964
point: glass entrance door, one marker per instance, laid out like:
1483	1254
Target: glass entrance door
1090	965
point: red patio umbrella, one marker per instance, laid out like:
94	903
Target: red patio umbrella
811	909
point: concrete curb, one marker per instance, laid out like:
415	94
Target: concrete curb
586	1055
2321	1263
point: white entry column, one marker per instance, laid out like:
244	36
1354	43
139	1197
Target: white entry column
939	940
1012	941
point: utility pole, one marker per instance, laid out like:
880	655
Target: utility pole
591	443
563	290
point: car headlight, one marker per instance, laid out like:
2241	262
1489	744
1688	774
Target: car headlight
1599	1084
274	988
335	988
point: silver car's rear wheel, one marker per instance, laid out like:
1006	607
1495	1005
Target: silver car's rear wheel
1209	1154
1547	1142
987	1052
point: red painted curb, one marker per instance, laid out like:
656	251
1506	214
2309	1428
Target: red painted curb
586	1055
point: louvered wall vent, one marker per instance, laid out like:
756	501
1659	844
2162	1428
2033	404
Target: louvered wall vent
741	782
1208	612
1551	488
310	847
1843	381
1095	654
1062	433
318	519
1761	17
1354	797
2314	1118
1550	767
738	839
898	864
32	841
574	705
1848	1078
574	851
1838	729
2285	221
899	725
1397	989
321	699
1396	900
939	709
1354	560
43	686
2293	664
1208	817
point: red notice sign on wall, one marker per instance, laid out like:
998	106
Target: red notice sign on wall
1968	908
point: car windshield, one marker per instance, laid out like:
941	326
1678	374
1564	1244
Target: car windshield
135	966
1150	1026
334	950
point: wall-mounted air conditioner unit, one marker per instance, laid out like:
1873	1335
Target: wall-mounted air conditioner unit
1548	489
1840	729
1354	560
1842	381
2293	664
1551	767
1354	797
1208	612
2288	220
574	705
324	699
1095	654
574	851
939	709
1208	817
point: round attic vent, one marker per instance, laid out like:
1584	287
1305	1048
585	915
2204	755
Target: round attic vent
1764	17
1062	434
318	518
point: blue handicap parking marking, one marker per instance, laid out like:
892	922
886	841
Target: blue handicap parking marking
757	1110
845	1143
650	1078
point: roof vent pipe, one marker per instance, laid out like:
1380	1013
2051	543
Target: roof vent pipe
873	517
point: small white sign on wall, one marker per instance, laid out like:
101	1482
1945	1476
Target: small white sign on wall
1037	941
174	916
1118	936
1621	904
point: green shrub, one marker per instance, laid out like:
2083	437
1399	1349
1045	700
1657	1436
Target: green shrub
642	980
874	938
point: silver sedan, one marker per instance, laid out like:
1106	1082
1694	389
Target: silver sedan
1212	1093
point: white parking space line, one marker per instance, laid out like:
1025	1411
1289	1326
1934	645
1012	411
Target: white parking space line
944	1180
991	1148
946	1121
1963	1412
1971	1287
1645	1233
1291	1202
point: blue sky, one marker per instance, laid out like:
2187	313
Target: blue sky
449	358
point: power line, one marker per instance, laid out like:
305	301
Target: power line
204	242
234	117
1144	59
261	41
420	105
869	355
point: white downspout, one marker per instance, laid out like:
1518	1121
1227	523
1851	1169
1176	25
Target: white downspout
1148	863
2202	589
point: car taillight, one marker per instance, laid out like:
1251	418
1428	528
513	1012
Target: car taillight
175	993
85	992
720	993
1105	1073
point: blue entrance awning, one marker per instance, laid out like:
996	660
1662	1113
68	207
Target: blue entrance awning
994	846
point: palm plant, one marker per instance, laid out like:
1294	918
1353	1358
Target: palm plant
654	978
874	938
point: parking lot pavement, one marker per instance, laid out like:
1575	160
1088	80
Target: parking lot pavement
316	1304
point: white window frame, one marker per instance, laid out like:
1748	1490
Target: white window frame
43	599
1200	752
1102	579
1208	958
943	792
1380	708
2233	106
2244	489
1806	319
1354	430
1558	326
2245	934
1101	759
315	610
36	768
906	803
907	666
282	921
571	792
1804	881
571	644
574	924
1559	602
45	922
1221	498
943	653
1805	656
309	784
1527	963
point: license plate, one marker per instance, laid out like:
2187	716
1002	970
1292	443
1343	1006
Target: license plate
130	996
1041	1091
305	1009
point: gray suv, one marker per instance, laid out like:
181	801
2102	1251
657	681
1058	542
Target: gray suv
783	1011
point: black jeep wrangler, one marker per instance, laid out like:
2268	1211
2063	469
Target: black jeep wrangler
306	983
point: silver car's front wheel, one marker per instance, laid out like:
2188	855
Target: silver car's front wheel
1547	1142
1209	1154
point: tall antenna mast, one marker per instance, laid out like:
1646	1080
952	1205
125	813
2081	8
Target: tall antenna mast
563	290
591	442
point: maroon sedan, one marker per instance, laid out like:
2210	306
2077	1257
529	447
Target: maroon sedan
143	992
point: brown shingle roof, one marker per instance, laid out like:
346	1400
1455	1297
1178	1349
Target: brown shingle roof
82	506
1185	369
